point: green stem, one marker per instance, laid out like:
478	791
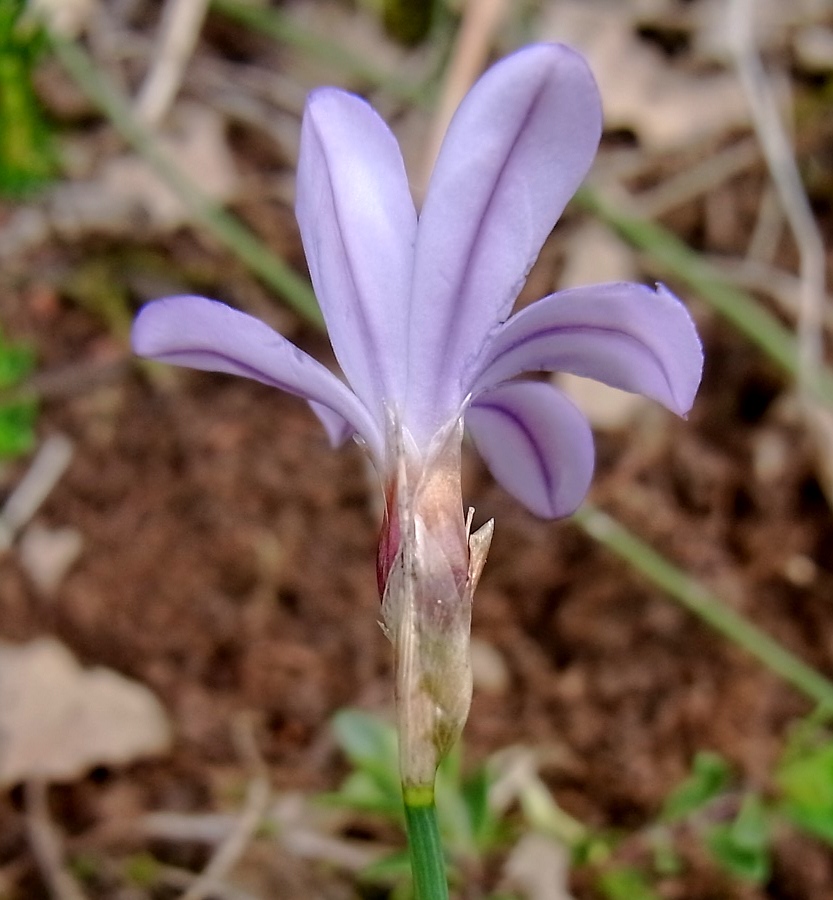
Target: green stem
271	269
700	601
427	859
687	266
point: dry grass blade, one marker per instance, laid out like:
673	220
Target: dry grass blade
481	19
181	24
46	845
784	172
254	809
45	472
697	180
785	176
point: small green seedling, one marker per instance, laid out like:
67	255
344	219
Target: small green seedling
17	417
742	846
805	779
625	883
27	151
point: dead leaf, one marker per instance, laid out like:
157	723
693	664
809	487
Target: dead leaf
539	868
814	49
774	22
489	670
666	108
197	143
47	554
58	720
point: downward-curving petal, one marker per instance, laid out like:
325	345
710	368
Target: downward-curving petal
358	226
205	334
337	427
515	152
626	335
536	443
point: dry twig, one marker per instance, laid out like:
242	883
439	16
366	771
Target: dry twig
769	227
781	286
254	809
481	19
694	181
796	206
46	844
183	880
46	470
181	24
787	180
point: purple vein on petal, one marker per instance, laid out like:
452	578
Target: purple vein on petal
537	444
625	335
519	423
358	226
444	355
515	151
485	380
205	334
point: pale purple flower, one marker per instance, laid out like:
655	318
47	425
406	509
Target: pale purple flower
418	311
417	305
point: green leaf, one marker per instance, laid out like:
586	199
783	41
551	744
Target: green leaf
17	429
389	870
666	858
27	157
408	21
142	870
742	846
371	745
16	362
485	826
17	419
625	883
365	739
709	777
806	782
362	791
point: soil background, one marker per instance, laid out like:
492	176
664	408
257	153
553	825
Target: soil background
228	554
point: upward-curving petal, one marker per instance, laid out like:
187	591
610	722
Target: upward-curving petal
515	152
358	226
536	443
205	334
626	335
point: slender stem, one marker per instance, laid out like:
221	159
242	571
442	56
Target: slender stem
427	860
273	270
700	601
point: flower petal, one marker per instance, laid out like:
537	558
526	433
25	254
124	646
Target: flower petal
515	152
337	427
358	226
626	335
536	443
205	334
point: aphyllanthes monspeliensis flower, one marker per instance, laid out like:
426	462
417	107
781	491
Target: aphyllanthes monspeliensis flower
417	305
